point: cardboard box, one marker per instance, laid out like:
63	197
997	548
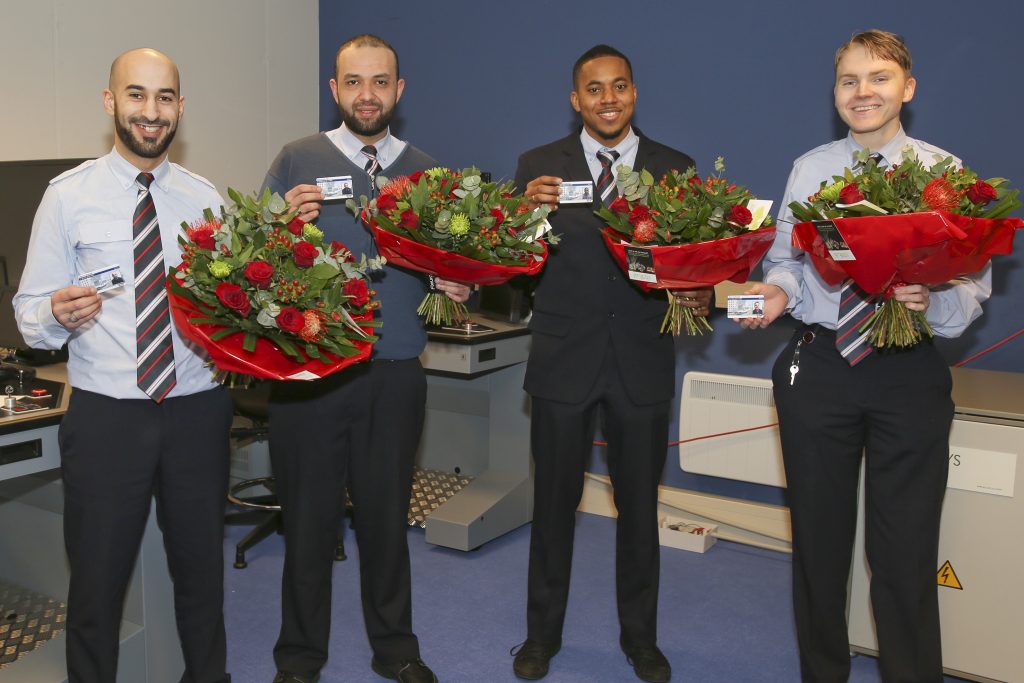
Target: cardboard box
677	532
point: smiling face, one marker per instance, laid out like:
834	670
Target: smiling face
366	89
143	98
605	96
869	93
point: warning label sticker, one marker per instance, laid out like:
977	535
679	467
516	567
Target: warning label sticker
948	578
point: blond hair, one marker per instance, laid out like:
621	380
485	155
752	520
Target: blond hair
879	44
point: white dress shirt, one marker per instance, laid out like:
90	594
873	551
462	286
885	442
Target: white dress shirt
626	148
84	223
388	147
952	307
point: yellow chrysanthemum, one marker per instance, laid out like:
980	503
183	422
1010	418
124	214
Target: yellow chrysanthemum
459	225
310	231
219	269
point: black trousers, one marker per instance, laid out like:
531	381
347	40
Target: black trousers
359	428
894	410
116	455
562	437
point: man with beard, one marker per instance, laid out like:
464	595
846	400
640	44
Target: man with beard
361	427
145	418
596	352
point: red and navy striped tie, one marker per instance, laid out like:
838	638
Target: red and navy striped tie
606	181
855	307
155	364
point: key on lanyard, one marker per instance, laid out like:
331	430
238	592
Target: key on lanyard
794	366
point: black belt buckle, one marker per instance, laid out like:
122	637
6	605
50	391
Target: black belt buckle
808	336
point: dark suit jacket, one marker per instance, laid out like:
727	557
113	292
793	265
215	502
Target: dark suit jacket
583	303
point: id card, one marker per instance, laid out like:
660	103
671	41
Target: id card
335	187
640	264
745	306
103	279
576	192
836	244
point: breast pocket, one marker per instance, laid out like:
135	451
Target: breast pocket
101	245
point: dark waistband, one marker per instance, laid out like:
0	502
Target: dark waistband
817	330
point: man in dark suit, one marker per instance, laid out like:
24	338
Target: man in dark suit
596	350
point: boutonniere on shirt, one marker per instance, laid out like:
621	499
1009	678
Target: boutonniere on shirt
684	231
886	226
267	297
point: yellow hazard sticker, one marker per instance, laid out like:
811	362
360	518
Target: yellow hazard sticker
948	577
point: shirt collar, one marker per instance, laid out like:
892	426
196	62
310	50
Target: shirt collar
352	147
127	174
591	146
891	151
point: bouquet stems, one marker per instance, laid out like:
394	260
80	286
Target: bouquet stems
895	325
438	309
678	316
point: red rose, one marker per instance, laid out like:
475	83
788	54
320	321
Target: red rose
340	250
499	217
202	237
851	194
620	205
303	253
415	176
291	320
357	290
981	192
386	203
409	219
638	213
296	225
740	215
233	297
694	180
259	274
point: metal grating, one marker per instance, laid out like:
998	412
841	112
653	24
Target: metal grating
27	621
430	489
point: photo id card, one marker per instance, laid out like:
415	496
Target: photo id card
640	264
745	306
834	241
576	192
103	279
335	187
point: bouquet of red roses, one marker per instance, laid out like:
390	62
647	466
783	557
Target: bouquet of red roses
266	297
457	226
886	227
685	232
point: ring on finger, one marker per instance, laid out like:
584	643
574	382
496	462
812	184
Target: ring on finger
73	318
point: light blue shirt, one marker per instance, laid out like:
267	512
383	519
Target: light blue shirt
626	148
84	223
952	307
388	147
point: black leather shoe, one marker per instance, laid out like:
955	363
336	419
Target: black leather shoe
649	664
285	677
532	658
409	671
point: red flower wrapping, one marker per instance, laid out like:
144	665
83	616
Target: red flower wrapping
267	361
446	265
699	264
929	248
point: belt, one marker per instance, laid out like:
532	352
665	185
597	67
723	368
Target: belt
809	332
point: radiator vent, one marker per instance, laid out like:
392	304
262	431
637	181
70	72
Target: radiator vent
715	404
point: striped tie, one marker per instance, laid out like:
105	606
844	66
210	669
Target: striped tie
606	181
155	364
855	307
372	166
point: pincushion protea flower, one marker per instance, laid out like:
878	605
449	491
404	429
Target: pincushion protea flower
939	194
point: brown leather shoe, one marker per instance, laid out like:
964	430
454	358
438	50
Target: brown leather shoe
532	658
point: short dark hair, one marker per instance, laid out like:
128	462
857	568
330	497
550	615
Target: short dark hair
595	52
365	40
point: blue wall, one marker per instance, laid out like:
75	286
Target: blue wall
750	81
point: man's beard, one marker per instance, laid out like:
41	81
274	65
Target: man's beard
142	147
363	127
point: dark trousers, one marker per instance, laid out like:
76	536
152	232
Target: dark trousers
116	455
360	429
562	440
895	410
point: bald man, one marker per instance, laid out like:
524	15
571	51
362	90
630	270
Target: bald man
146	419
